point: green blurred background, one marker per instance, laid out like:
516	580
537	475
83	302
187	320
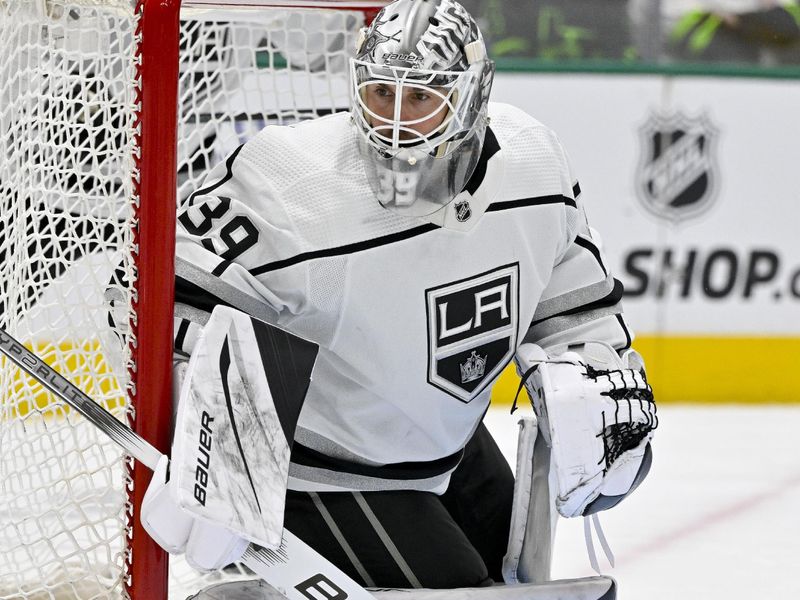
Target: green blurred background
727	36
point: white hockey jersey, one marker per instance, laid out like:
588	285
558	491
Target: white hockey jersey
415	318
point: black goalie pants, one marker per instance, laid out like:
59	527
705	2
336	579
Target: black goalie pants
416	539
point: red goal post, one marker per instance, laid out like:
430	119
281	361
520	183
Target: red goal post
110	113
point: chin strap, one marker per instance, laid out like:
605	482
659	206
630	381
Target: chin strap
588	521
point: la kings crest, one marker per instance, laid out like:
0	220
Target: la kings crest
677	175
472	330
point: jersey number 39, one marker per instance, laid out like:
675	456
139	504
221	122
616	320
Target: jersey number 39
237	235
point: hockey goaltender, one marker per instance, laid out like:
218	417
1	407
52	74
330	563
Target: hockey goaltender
420	241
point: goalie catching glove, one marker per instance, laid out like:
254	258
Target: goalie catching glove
597	414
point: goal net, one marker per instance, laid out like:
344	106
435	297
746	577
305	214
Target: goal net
94	97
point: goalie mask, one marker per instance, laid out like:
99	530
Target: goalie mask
420	87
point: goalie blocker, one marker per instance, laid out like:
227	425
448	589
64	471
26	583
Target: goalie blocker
239	400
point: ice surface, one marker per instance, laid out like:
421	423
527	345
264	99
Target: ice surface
718	516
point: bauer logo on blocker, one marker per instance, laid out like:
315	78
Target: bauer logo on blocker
472	330
677	174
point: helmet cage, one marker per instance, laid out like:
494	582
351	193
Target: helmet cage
459	92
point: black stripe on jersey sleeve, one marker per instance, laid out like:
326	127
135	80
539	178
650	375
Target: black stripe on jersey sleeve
584	243
628	338
490	148
228	174
180	336
346	249
308	457
538	201
610	299
193	295
221	268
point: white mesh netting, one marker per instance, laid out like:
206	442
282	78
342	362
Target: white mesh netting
66	140
68	112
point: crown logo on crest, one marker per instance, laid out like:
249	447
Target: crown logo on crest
473	368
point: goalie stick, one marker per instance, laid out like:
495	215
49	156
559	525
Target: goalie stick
295	569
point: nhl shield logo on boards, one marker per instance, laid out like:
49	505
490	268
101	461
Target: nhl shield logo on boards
472	330
677	175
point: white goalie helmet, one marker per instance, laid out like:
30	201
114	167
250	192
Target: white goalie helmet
420	88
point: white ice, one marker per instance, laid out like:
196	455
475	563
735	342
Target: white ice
718	517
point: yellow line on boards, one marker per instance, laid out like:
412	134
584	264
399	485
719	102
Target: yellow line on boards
720	370
752	370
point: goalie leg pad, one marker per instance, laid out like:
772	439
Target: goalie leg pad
586	588
530	542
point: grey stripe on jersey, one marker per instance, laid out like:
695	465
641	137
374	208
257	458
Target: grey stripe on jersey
225	291
387	541
303	478
192	314
328	447
574	299
339	536
189	322
557	325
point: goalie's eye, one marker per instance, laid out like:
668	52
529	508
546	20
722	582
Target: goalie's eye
420	96
379	94
383	91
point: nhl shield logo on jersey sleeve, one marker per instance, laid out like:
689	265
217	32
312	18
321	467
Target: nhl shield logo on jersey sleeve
472	330
463	211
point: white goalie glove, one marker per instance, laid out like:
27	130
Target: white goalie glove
597	414
207	546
